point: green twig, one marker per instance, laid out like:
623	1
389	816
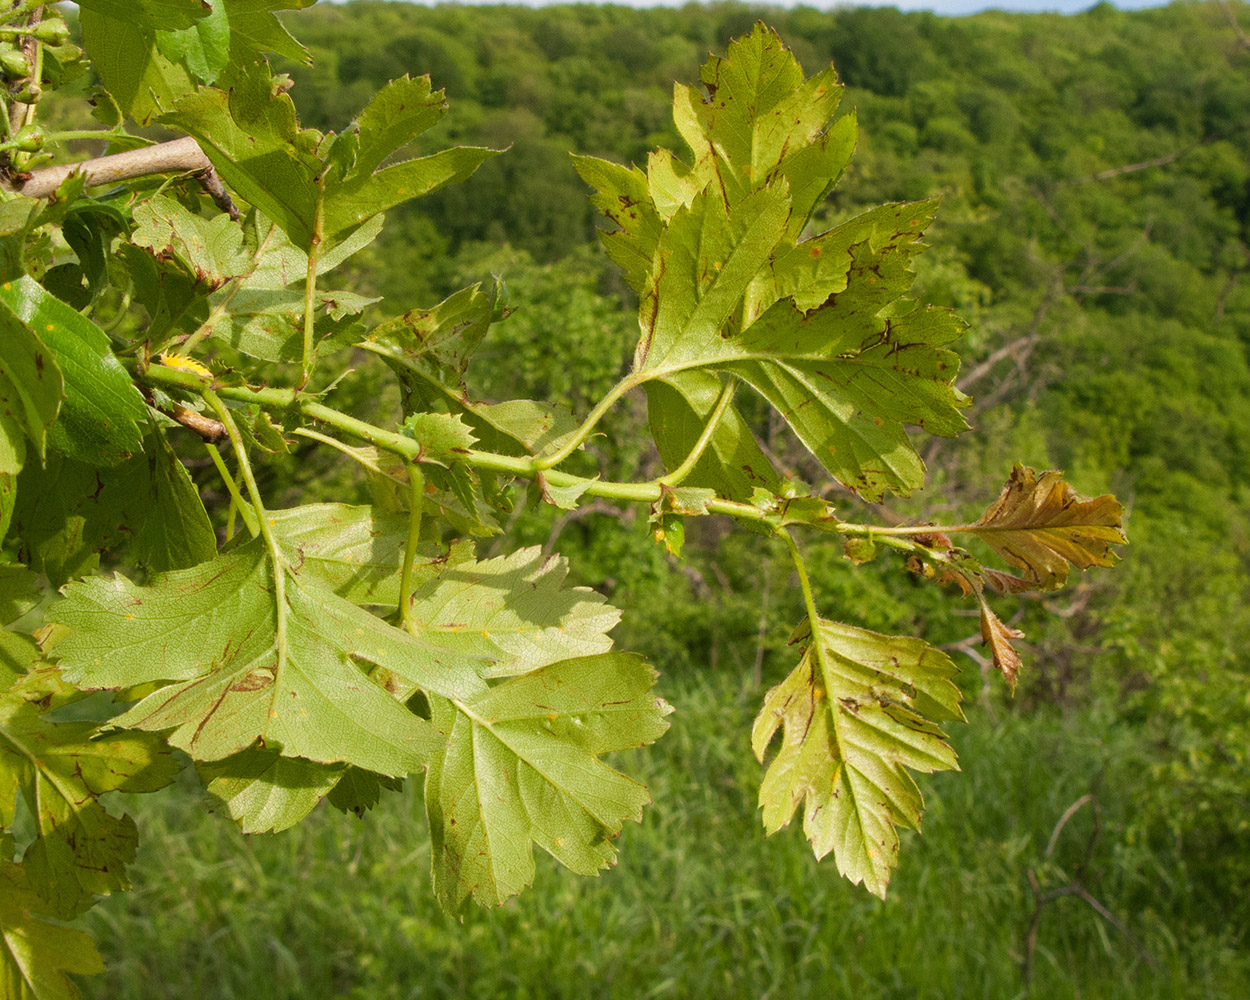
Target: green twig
511	465
809	602
310	282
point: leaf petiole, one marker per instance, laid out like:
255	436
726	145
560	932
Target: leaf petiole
237	503
544	462
277	559
416	500
687	466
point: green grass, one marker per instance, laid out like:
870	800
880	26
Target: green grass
700	904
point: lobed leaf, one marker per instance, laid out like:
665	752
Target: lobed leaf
998	635
513	613
856	713
36	951
265	792
289	674
1040	525
61	769
319	190
521	766
357	552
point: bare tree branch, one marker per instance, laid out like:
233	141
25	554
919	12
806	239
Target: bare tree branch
177	156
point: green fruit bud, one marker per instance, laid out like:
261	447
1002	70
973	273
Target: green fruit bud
53	31
30	139
13	64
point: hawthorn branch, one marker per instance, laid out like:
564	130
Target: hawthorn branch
177	156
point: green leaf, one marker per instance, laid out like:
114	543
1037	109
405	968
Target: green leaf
102	417
436	343
521	767
70	512
400	112
622	194
359	790
253	139
125	55
430	351
857	711
166	15
357	552
19	592
354	201
758	115
848	400
265	792
36	952
268	324
255	30
512	612
1040	525
211	248
706	260
31	390
443	438
291	674
61	769
203	48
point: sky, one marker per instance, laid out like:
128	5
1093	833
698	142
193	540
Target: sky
940	6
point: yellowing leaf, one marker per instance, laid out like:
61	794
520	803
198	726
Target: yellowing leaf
80	850
856	714
1040	525
521	767
36	953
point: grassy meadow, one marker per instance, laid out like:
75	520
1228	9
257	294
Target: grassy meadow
700	903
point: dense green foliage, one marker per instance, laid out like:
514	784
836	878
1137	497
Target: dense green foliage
1093	181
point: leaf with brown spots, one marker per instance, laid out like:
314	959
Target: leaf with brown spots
1040	525
729	285
304	675
79	849
36	950
855	714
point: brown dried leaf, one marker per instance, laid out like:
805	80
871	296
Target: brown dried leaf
1042	526
998	635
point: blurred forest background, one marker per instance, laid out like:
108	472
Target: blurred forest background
1094	172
